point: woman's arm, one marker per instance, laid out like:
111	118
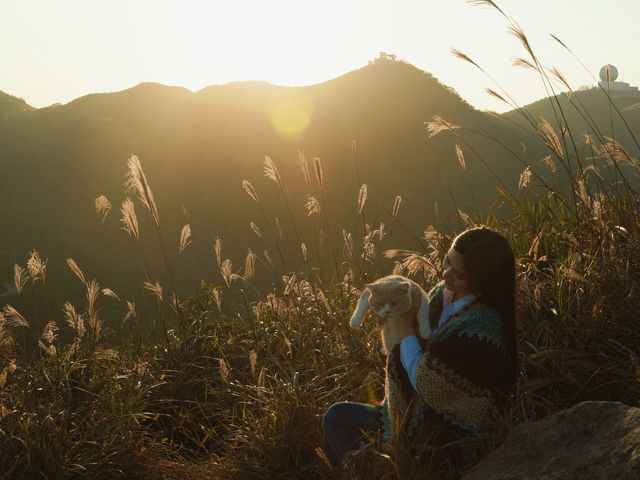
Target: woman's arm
410	355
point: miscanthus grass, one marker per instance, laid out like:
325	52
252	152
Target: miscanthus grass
239	388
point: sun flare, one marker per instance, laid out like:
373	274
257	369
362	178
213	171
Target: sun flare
290	115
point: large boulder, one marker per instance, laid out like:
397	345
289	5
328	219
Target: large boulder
592	440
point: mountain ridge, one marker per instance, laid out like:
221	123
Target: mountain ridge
11	105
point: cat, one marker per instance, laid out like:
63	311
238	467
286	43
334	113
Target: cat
389	298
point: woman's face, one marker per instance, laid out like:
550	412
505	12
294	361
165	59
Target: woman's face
454	275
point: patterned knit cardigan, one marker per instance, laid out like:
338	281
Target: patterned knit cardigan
462	375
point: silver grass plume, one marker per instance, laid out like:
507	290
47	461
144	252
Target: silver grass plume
49	350
289	283
37	267
516	30
107	292
271	171
317	164
249	265
486	3
396	206
549	136
226	269
93	290
549	163
19	277
362	197
74	319
323	298
185	238
250	190
560	77
217	296
50	332
312	205
218	250
95	324
521	62
398	269
155	289
103	206
458	54
525	178
460	156
13	318
465	218
255	229
136	181
131	313
495	94
439	124
380	230
129	219
348	243
76	270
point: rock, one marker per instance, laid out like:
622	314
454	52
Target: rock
590	441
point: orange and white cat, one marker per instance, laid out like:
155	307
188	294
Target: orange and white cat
390	298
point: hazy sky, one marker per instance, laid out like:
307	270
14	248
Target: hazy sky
56	51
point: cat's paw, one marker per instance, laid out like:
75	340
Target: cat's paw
355	322
424	330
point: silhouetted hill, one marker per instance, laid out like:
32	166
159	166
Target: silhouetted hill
589	112
196	148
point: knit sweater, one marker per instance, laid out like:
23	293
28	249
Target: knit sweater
461	377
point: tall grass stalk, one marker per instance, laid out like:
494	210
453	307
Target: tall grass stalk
251	191
272	172
317	166
136	181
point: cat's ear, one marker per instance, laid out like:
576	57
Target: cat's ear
404	288
372	286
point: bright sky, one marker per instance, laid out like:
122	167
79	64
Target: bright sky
56	51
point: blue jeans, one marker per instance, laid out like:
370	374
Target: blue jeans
346	426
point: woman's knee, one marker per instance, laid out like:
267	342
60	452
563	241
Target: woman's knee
335	415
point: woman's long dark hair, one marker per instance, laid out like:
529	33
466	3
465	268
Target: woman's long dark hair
489	261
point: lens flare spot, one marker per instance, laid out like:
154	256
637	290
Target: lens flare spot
290	116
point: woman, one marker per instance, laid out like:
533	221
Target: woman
452	383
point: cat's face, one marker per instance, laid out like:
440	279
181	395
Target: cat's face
389	299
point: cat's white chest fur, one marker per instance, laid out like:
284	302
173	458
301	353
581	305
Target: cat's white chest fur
391	299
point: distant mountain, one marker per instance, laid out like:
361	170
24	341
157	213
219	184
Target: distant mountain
197	147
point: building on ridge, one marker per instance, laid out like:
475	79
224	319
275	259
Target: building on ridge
613	87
